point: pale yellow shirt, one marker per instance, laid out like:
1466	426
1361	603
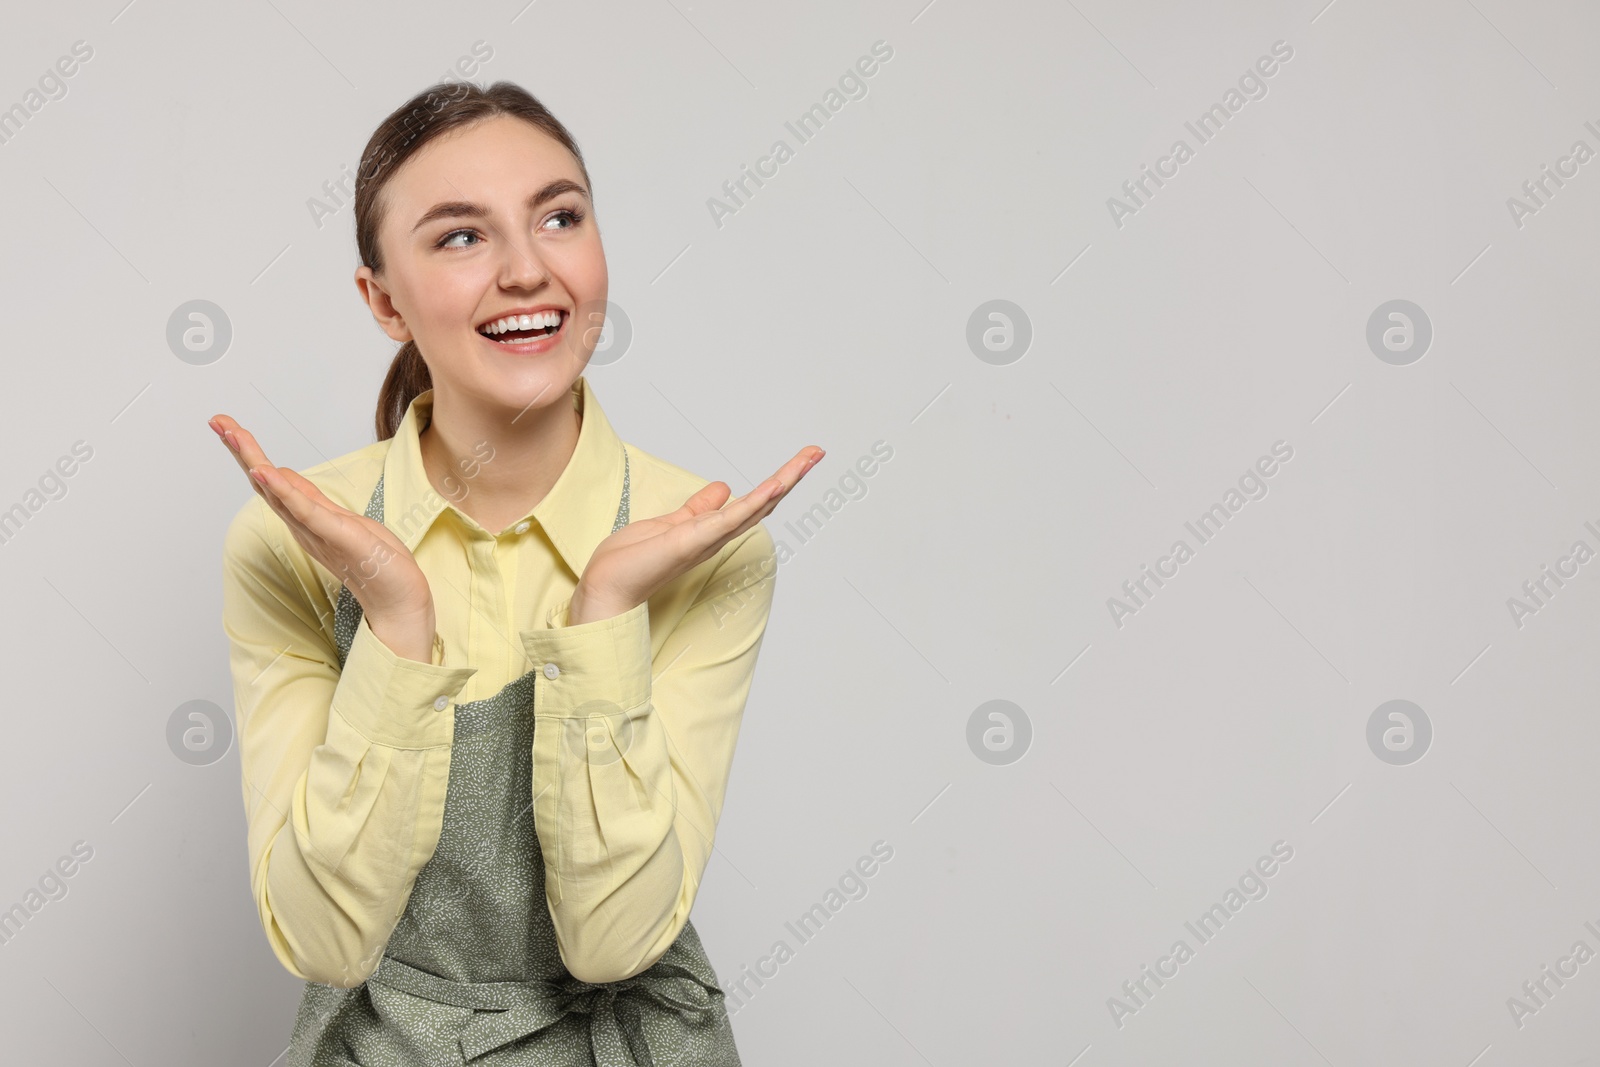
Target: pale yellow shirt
344	771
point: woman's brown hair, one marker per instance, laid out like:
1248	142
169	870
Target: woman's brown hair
431	113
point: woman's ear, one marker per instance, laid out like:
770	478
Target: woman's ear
382	307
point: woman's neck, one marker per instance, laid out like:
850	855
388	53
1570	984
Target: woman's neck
523	461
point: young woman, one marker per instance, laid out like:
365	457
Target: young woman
489	671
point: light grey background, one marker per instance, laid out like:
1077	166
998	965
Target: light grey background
1168	354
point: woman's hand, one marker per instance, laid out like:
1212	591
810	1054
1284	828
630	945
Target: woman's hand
378	569
630	565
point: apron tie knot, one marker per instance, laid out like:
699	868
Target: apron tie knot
514	1010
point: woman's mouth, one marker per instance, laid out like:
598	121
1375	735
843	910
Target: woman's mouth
525	333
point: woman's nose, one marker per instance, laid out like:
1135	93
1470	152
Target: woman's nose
522	267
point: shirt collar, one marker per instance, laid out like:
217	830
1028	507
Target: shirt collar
577	513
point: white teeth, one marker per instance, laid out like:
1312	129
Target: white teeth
537	321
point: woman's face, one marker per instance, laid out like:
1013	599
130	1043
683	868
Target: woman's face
482	222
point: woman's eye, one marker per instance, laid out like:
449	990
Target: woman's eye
567	215
452	235
572	217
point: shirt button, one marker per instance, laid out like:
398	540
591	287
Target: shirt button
521	527
551	670
441	703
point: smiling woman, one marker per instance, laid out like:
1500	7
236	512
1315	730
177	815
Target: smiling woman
478	821
460	256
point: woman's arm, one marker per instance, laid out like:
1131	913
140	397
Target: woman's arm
344	771
628	773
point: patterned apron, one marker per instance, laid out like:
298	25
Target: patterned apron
471	974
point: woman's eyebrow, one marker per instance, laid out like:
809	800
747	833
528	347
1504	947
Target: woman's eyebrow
466	209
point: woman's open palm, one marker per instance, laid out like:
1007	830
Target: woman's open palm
631	564
364	554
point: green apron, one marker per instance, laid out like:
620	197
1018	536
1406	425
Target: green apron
471	974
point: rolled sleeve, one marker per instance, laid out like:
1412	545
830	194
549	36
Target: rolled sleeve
394	701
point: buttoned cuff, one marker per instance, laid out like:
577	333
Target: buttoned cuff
394	701
604	660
